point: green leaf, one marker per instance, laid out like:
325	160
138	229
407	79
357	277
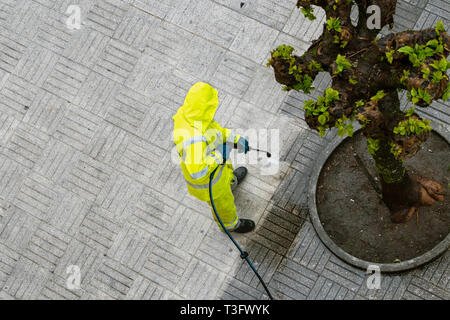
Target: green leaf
321	131
406	50
428	52
322	119
410	112
390	56
446	94
342	63
331	95
439	27
283	51
380	95
313	65
373	145
425	72
426	97
437	77
433	43
333	24
349	130
308	13
359	103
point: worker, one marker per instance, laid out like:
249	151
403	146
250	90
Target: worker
203	145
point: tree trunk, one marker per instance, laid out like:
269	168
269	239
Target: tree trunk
402	193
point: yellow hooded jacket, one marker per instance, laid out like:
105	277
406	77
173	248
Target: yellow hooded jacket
196	136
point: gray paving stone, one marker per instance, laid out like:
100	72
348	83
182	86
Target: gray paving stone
127	109
263	93
294	280
26	145
36	64
187	232
12	49
135	28
47	246
108	143
260	119
81	255
425	290
16	96
117	193
53	33
87	178
77	127
112	280
13	176
217	252
252	33
234	289
27	17
167	42
436	273
94	94
154	212
273	13
106	15
26	280
277	229
392	287
164	10
8	260
166	265
6	11
56	289
117	61
8	124
249	204
299	26
265	260
68	212
85	47
66	79
144	289
200	281
308	250
57	160
36	196
98	230
46	112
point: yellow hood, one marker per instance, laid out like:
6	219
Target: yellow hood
200	105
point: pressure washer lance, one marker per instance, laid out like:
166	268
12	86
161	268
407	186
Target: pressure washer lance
244	254
258	150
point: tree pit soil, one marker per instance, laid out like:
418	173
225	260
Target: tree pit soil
357	220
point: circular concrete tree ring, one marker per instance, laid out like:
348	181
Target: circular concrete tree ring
384	267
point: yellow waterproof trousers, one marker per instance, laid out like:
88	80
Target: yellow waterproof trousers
225	207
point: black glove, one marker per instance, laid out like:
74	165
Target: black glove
242	145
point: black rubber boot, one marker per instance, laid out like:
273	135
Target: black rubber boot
240	173
245	225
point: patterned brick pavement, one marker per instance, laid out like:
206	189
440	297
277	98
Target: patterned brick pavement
86	176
